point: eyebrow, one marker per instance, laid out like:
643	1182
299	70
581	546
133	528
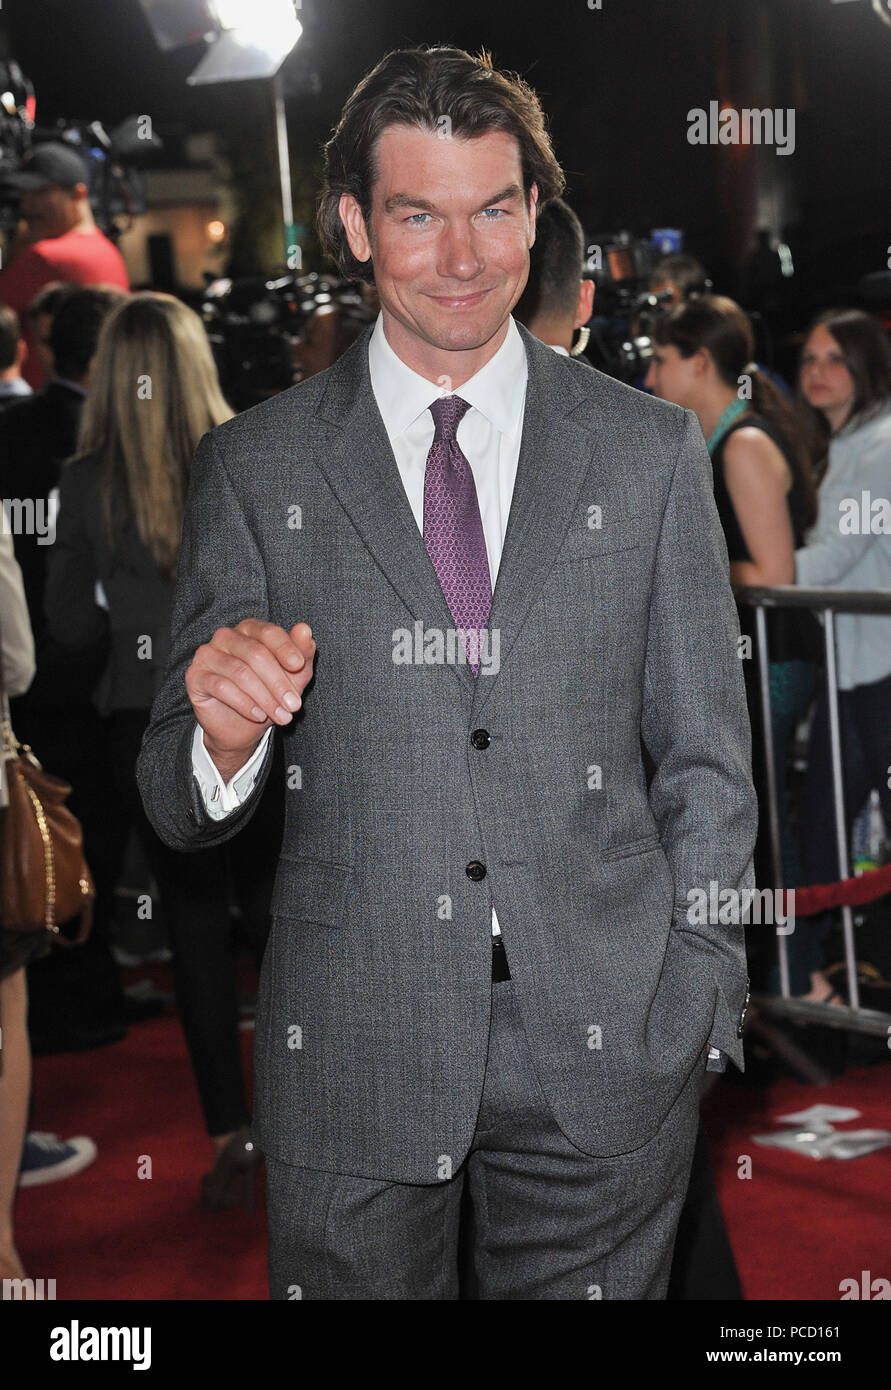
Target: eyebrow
408	200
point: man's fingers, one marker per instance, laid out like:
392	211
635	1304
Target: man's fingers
225	691
292	650
256	669
249	664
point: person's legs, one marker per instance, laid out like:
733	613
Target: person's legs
791	689
702	1266
195	894
551	1221
866	750
337	1237
15	1088
868	708
554	1222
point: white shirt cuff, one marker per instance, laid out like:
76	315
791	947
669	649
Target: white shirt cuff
219	797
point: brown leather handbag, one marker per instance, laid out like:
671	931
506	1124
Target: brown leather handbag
44	878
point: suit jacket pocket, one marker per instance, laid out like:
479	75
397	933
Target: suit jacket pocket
623	532
313	890
631	848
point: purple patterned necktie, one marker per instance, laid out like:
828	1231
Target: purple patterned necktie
453	528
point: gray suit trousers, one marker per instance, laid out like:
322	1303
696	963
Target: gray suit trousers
552	1222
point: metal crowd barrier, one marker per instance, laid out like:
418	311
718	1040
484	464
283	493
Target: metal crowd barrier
828	602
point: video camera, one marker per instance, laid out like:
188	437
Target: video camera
115	181
253	323
625	309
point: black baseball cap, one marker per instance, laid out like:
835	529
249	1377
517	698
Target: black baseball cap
51	162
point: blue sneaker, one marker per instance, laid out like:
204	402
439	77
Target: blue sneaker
47	1158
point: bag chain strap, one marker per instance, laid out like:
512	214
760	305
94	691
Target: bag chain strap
48	861
11	747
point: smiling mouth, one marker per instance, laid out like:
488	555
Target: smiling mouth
459	301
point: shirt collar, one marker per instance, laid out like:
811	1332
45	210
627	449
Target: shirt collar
497	390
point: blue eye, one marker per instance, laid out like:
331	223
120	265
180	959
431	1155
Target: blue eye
417	214
499	211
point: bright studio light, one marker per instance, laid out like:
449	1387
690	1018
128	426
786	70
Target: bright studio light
271	22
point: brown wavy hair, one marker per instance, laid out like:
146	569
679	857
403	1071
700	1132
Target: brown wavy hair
417	87
867	355
717	323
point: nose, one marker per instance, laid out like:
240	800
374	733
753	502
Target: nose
460	259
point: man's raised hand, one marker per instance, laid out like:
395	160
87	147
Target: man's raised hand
245	679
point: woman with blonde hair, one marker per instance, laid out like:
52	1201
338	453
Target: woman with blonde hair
154	393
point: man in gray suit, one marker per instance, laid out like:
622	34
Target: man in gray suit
469	582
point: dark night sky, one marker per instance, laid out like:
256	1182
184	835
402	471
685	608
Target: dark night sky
616	83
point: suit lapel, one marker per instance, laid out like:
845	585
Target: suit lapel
550	472
360	467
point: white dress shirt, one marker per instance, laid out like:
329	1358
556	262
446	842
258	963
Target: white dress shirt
489	435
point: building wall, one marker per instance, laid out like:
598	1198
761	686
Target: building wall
180	203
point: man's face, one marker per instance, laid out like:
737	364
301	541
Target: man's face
450	234
50	211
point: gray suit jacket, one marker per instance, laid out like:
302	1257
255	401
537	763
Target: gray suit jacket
372	1017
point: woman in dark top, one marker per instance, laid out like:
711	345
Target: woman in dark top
766	499
154	392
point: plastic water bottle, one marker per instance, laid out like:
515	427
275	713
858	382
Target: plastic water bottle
869	836
876	836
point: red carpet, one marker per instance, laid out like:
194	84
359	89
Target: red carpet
798	1227
107	1233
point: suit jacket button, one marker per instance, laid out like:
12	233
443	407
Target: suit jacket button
190	813
480	738
475	870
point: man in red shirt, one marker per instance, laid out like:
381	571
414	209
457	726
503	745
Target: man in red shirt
64	242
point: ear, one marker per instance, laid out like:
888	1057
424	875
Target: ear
533	211
354	227
585	303
702	361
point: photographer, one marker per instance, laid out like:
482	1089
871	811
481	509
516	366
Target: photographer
64	242
678	275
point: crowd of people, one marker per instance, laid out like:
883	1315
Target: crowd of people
104	395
